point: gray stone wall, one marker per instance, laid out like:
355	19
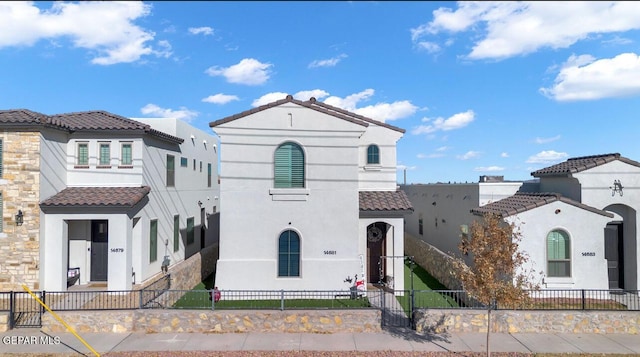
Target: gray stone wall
223	321
20	187
434	261
527	321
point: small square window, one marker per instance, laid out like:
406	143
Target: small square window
184	162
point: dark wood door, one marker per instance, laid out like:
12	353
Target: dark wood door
99	249
613	255
375	250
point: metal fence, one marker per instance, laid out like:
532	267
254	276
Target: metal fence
606	300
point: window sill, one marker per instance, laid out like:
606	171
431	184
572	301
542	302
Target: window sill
125	166
103	167
372	167
81	167
289	194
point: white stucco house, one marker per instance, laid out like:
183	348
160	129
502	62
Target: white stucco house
310	199
578	222
115	197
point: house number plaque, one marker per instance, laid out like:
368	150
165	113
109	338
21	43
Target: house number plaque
330	252
588	254
117	250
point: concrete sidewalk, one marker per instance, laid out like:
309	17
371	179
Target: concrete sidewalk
29	341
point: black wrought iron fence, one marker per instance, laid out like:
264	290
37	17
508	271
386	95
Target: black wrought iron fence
608	300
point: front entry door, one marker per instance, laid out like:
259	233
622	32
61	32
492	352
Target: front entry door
375	249
613	254
99	249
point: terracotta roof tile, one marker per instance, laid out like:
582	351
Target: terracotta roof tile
81	121
97	197
578	164
314	105
384	201
524	201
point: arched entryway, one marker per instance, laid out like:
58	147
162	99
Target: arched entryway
376	248
620	247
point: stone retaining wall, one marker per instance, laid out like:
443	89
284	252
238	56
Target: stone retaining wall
508	321
223	321
434	261
189	273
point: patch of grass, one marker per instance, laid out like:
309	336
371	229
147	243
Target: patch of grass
423	285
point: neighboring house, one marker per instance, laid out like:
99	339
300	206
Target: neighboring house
103	193
310	199
580	227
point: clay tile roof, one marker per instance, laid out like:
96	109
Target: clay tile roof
384	201
524	201
313	104
21	116
582	163
96	120
97	197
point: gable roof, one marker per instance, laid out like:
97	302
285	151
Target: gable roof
89	121
122	197
384	201
313	104
578	164
525	201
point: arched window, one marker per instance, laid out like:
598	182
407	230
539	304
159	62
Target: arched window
289	166
558	254
373	154
289	254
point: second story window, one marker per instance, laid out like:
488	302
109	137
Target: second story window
126	158
105	154
289	166
208	175
373	154
171	171
83	154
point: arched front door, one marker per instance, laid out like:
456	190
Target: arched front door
376	237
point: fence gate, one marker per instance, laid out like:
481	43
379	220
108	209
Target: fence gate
24	310
396	308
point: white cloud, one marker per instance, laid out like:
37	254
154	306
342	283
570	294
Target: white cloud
378	111
205	30
220	98
22	23
545	157
504	154
429	156
430	47
488	168
456	121
468	155
546	140
248	71
442	148
405	167
156	111
331	62
512	28
584	78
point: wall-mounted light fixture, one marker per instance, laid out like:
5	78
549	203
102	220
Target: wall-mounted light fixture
433	203
200	203
19	218
617	187
558	211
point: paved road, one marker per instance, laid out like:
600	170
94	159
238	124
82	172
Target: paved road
34	341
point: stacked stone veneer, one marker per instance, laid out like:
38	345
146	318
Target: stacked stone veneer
434	261
223	321
509	321
20	186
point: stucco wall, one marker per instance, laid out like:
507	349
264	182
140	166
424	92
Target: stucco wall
20	245
324	213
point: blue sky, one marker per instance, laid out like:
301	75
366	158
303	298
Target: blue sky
486	88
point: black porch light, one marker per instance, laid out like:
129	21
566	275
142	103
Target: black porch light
19	218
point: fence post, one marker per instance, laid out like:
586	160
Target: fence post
213	300
281	300
382	305
44	300
583	300
140	297
11	308
411	309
